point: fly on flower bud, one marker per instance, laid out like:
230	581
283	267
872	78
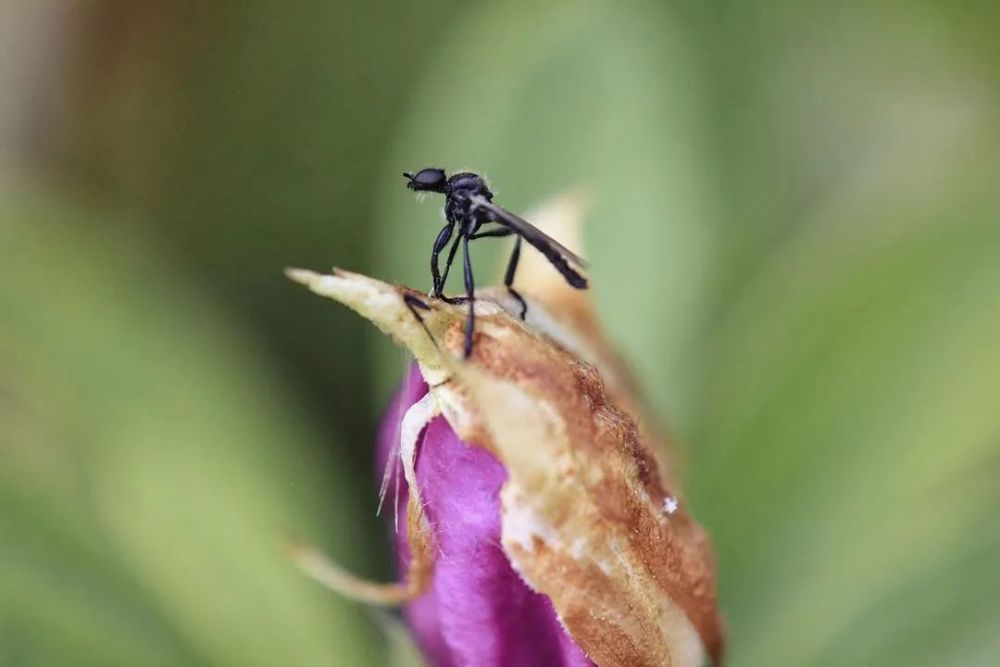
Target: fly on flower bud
468	205
542	525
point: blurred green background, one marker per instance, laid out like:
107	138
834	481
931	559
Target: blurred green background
795	240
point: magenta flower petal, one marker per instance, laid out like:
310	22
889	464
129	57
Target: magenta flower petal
478	610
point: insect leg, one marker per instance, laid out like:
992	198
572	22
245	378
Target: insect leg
508	279
439	244
415	304
447	268
502	231
470	289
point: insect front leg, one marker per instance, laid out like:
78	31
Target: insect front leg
439	244
447	268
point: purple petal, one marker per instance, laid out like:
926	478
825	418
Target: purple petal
478	610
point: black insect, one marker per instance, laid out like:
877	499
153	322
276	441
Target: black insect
468	205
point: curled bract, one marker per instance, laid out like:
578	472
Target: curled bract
590	516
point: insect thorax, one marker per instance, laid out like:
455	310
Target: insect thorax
462	187
469	184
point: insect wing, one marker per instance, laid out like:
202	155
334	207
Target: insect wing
531	234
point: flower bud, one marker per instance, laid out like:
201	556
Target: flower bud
541	525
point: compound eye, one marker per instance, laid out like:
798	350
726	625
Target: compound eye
428	179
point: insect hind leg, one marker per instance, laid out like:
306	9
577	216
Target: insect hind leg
508	279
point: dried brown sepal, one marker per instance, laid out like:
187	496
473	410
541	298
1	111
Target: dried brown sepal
586	517
356	290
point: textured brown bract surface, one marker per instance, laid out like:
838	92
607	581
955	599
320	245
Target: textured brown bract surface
587	518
